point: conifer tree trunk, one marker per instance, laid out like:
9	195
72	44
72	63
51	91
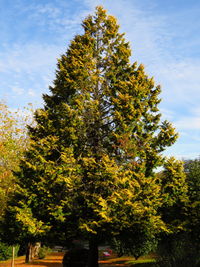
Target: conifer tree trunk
93	253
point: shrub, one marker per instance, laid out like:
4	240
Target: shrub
43	252
6	251
179	250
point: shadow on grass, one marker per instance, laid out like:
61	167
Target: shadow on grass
128	262
52	260
112	263
45	263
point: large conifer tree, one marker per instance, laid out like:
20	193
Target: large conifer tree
96	144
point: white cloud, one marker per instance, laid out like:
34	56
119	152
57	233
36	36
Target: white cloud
188	123
167	114
31	92
50	11
183	150
56	16
195	110
29	58
17	90
180	81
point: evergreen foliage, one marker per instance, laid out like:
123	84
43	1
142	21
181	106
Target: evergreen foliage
97	142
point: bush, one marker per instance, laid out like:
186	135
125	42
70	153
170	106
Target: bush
179	250
6	251
43	251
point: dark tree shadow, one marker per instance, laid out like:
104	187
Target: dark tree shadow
54	260
47	263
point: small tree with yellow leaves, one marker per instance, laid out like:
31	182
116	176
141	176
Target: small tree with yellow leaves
13	142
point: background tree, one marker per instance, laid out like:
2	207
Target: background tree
181	246
90	169
192	169
172	210
13	143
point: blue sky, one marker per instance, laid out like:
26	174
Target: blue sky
164	36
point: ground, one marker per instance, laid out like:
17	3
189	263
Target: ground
55	260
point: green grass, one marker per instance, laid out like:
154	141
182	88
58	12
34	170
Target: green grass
148	260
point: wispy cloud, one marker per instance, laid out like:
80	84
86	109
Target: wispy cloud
31	92
56	16
188	123
17	90
181	82
183	151
29	58
167	114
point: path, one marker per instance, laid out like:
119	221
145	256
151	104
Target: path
55	260
52	260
